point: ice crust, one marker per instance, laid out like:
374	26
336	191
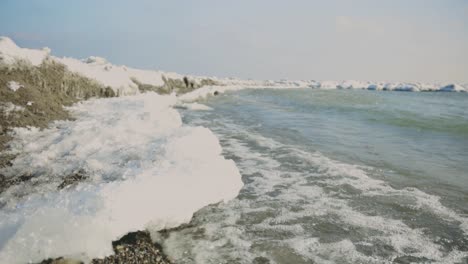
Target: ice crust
144	168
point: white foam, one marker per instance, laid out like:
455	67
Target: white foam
298	203
145	170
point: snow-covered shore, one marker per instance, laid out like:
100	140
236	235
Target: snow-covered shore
123	164
122	78
143	167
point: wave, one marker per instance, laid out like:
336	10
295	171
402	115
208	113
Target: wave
139	167
298	206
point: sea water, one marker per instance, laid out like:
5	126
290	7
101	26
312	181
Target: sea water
342	176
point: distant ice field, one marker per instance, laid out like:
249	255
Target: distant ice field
341	176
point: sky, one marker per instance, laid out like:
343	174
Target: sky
381	40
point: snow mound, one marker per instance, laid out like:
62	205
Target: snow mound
374	87
452	88
350	84
11	53
119	78
328	85
406	87
145	170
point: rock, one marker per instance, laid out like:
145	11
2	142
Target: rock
73	179
261	260
215	93
133	248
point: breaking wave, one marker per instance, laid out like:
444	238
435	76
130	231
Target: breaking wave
299	206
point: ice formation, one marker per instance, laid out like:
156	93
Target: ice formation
144	169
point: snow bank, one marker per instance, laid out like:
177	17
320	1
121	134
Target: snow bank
119	78
386	86
11	53
452	88
406	87
350	84
374	87
145	169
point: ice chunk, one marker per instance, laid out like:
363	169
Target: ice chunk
144	169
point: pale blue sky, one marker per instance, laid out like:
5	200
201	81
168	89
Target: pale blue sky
406	40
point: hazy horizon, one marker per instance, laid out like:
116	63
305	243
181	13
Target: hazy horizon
333	40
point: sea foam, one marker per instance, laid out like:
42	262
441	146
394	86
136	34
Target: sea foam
143	167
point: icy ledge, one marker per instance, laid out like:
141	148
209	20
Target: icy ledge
145	169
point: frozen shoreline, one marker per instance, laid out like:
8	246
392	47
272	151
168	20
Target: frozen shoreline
143	167
126	81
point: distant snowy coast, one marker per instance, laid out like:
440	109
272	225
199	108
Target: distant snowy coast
124	80
126	162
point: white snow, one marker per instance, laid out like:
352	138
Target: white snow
145	169
11	53
350	84
207	91
406	87
194	106
8	108
120	78
14	86
374	87
452	88
328	85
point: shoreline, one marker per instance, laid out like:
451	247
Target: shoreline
41	98
50	101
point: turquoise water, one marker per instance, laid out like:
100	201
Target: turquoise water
343	176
